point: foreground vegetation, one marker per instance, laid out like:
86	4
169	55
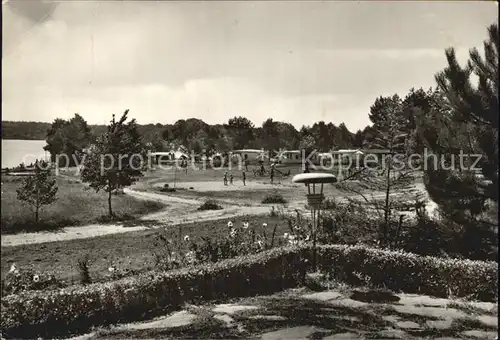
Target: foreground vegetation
77	308
128	253
358	246
74	206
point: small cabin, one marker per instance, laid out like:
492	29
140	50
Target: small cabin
164	157
295	157
347	156
251	156
378	154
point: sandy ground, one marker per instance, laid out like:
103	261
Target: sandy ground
236	186
179	210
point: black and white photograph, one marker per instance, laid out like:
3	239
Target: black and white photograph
274	170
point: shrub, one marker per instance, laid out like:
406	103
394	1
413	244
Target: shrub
18	280
83	270
400	271
274	198
210	204
167	189
77	308
247	238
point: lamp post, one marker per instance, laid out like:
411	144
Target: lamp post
314	199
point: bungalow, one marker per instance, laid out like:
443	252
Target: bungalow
163	156
295	157
249	155
347	156
379	154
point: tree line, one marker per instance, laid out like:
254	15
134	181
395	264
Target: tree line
459	115
63	136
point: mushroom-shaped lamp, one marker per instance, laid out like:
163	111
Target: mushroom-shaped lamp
314	199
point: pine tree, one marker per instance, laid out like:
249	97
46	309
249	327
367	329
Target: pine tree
116	160
38	189
465	119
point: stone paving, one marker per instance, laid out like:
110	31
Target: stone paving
330	315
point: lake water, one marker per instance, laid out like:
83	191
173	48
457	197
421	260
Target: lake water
15	152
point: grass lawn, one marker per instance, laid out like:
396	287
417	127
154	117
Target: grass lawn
74	206
131	251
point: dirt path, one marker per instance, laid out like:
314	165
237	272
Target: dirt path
179	210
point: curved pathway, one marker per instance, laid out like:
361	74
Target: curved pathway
178	210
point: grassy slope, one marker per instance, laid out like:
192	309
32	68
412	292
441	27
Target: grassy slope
74	206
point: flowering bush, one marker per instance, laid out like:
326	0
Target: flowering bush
172	255
239	240
117	271
18	280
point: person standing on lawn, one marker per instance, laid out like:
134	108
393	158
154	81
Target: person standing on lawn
272	173
244	177
225	178
231	178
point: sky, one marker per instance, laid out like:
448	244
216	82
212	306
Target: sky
299	62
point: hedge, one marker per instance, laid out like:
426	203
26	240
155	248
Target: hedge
76	309
411	273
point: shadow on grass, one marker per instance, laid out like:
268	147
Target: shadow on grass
201	328
457	326
33	227
136	222
128	221
303	312
294	312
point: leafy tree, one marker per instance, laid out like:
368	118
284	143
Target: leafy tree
270	135
116	160
68	138
464	118
321	132
241	129
38	189
166	134
307	143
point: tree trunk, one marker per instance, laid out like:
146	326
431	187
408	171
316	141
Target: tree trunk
400	224
109	202
386	208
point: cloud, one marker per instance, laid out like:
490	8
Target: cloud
36	11
297	61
